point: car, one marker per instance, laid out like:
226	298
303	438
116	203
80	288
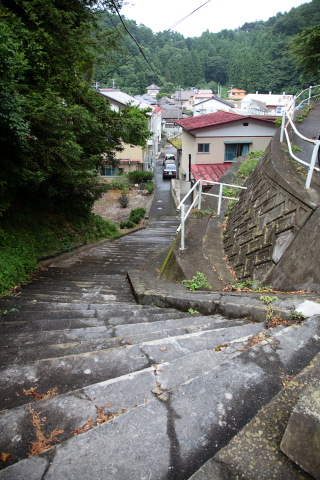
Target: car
168	156
169	171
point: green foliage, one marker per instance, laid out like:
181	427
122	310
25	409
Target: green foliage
249	164
213	58
193	312
150	186
55	129
137	214
120	183
29	235
138	176
305	47
197	282
134	218
127	224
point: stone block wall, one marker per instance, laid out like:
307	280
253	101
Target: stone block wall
267	235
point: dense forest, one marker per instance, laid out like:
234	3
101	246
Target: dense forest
253	57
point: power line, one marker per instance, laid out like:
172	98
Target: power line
158	36
136	42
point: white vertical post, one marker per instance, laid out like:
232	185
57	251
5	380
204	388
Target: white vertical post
182	226
199	194
220	198
310	92
282	125
313	162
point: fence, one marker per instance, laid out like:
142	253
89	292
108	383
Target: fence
287	119
198	189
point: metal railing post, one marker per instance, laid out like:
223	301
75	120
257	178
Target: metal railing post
313	162
310	91
283	125
200	195
220	199
182	226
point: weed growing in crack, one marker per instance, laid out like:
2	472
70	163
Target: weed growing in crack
197	282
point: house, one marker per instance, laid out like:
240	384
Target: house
134	157
236	94
169	117
218	138
153	90
273	104
211	105
183	98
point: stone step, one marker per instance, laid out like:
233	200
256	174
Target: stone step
186	409
76	371
27	347
46	324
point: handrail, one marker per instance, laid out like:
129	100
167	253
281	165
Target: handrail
198	198
287	114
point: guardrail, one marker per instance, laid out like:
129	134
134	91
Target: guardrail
287	119
198	188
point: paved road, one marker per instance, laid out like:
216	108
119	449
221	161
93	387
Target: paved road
163	204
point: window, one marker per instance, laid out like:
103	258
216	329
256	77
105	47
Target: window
203	147
234	150
109	172
245	124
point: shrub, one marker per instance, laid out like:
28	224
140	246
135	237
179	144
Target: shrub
150	187
127	224
137	214
140	177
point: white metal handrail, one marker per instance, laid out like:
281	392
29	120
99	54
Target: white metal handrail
287	115
198	199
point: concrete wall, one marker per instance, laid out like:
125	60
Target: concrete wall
273	231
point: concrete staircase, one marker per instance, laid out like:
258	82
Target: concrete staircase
120	390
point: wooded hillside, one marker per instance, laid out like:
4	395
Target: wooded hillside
252	57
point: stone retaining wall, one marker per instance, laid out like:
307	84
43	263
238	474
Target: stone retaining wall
272	231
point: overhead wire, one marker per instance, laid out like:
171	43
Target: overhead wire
157	37
136	42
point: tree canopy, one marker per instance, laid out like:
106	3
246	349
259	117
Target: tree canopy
54	126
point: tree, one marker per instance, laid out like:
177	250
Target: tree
305	47
54	126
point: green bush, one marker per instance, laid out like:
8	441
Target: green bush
120	183
137	214
150	187
127	224
140	177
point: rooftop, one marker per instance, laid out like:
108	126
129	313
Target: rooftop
217	118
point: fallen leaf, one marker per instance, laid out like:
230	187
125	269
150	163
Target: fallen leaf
163	348
220	347
5	456
109	405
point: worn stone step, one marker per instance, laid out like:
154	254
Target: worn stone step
46	324
188	419
75	371
21	348
40	311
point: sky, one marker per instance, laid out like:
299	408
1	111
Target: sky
160	15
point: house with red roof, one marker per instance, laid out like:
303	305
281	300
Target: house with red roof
210	143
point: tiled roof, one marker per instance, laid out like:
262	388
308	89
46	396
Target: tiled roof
215	119
210	172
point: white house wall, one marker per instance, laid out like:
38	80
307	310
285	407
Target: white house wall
256	134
